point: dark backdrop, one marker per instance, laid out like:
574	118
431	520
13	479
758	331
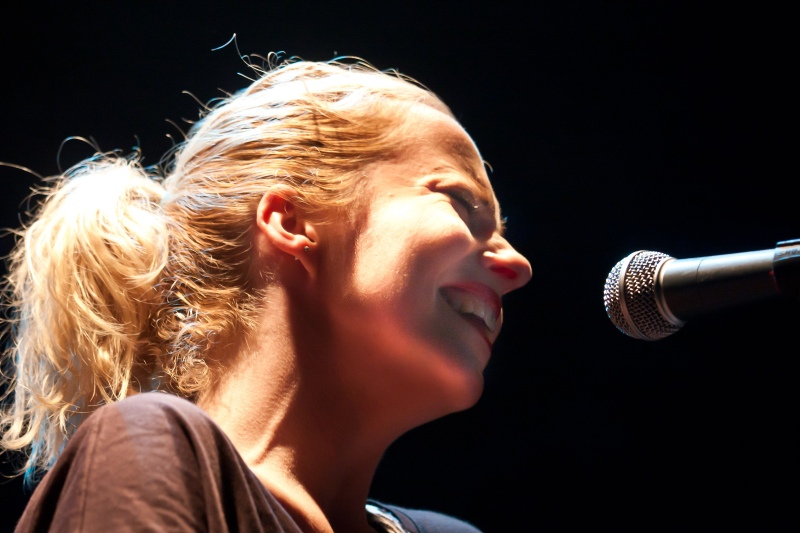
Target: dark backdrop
611	127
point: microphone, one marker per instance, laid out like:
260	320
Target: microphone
651	295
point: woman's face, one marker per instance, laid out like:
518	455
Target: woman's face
415	292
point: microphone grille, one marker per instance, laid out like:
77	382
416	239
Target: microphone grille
630	298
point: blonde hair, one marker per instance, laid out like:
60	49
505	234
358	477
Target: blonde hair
125	277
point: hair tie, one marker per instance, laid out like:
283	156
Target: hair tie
166	197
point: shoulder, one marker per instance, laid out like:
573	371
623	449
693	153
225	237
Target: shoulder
147	418
143	413
424	521
149	404
159	430
144	436
125	449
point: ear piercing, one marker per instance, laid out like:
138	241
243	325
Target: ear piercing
306	249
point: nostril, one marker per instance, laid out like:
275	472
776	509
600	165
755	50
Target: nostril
505	272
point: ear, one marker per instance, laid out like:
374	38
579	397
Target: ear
286	229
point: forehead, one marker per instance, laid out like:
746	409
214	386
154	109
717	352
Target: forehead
435	130
438	139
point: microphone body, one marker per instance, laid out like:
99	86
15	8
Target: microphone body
650	295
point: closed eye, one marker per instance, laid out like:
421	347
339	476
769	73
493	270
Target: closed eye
480	221
463	198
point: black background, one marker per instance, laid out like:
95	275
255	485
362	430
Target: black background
611	127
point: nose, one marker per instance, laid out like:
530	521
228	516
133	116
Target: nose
511	268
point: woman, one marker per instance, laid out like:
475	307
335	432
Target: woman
318	271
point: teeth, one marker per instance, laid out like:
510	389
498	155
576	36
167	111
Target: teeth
470	305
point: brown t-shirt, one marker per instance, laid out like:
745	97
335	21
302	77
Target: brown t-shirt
158	463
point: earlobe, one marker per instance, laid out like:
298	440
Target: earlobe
285	227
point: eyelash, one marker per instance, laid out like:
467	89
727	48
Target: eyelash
462	197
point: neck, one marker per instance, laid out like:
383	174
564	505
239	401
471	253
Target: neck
299	429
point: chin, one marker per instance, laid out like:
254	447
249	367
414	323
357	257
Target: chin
463	384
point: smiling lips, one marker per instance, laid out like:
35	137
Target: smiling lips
476	301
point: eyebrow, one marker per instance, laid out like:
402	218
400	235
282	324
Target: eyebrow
464	153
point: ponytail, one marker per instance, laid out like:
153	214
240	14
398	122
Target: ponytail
77	301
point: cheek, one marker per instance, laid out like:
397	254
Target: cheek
401	249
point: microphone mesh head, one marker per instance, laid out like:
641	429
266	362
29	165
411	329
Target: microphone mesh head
630	298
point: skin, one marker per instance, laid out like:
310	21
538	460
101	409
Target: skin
366	335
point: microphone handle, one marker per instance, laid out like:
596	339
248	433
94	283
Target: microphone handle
686	288
787	268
